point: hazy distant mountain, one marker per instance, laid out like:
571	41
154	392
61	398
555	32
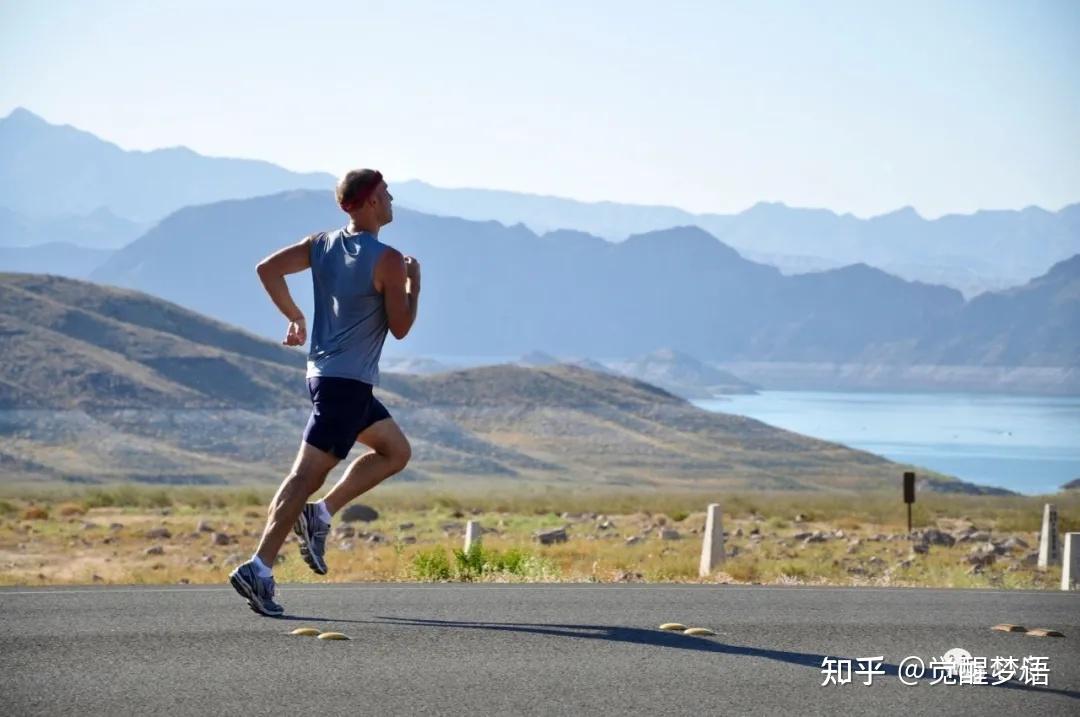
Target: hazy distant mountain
204	257
413	365
683	375
53	177
1037	324
591	365
537	359
48	170
490	290
57	258
984	250
124	386
542	214
100	229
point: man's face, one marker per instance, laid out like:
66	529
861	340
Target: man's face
384	200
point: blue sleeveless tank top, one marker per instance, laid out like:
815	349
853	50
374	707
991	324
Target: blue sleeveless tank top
350	324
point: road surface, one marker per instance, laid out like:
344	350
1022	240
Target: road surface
520	649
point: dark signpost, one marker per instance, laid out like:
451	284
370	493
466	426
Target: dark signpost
909	495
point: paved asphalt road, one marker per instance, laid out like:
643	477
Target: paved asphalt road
518	649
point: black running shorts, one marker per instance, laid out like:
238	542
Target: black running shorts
341	408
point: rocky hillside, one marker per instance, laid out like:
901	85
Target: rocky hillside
105	385
684	375
70	344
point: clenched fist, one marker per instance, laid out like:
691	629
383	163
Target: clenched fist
296	334
412	268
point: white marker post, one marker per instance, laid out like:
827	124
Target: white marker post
472	534
1070	564
1049	546
712	547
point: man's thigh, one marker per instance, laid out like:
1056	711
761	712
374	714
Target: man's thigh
384	436
312	462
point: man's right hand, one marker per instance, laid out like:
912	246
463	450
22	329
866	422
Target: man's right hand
296	334
412	268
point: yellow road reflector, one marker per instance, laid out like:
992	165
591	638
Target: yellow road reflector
1043	632
333	636
698	631
305	631
673	626
1009	627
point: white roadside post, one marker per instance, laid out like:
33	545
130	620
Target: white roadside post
472	534
712	547
1070	564
1049	546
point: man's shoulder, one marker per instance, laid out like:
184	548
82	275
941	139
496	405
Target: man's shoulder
388	253
322	240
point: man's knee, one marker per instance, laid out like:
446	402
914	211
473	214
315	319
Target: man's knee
398	454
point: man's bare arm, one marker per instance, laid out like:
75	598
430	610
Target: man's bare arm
398	278
272	271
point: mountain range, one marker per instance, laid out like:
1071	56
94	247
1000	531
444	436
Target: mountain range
99	384
503	291
60	184
977	252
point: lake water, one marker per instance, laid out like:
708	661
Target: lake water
1026	444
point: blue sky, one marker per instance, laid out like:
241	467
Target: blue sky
712	106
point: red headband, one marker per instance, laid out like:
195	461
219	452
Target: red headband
364	193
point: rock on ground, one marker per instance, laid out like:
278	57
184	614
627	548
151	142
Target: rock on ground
359	512
548	537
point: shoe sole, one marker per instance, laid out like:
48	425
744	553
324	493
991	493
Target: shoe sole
300	528
246	591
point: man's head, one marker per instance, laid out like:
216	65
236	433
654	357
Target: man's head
363	195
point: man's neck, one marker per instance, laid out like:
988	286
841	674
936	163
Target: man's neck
357	227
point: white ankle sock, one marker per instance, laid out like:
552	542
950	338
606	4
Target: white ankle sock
324	514
261	568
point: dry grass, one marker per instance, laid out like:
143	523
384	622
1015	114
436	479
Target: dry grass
99	535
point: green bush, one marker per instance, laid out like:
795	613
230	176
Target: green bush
470	565
478	563
792	570
6	508
513	561
431	565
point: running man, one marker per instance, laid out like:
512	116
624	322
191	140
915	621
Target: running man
363	288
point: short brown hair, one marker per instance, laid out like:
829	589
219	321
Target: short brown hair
356	186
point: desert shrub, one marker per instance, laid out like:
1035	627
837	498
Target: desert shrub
513	561
792	569
127	496
847	523
431	565
744	570
35	512
479	562
69	509
446	502
6	508
219	498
